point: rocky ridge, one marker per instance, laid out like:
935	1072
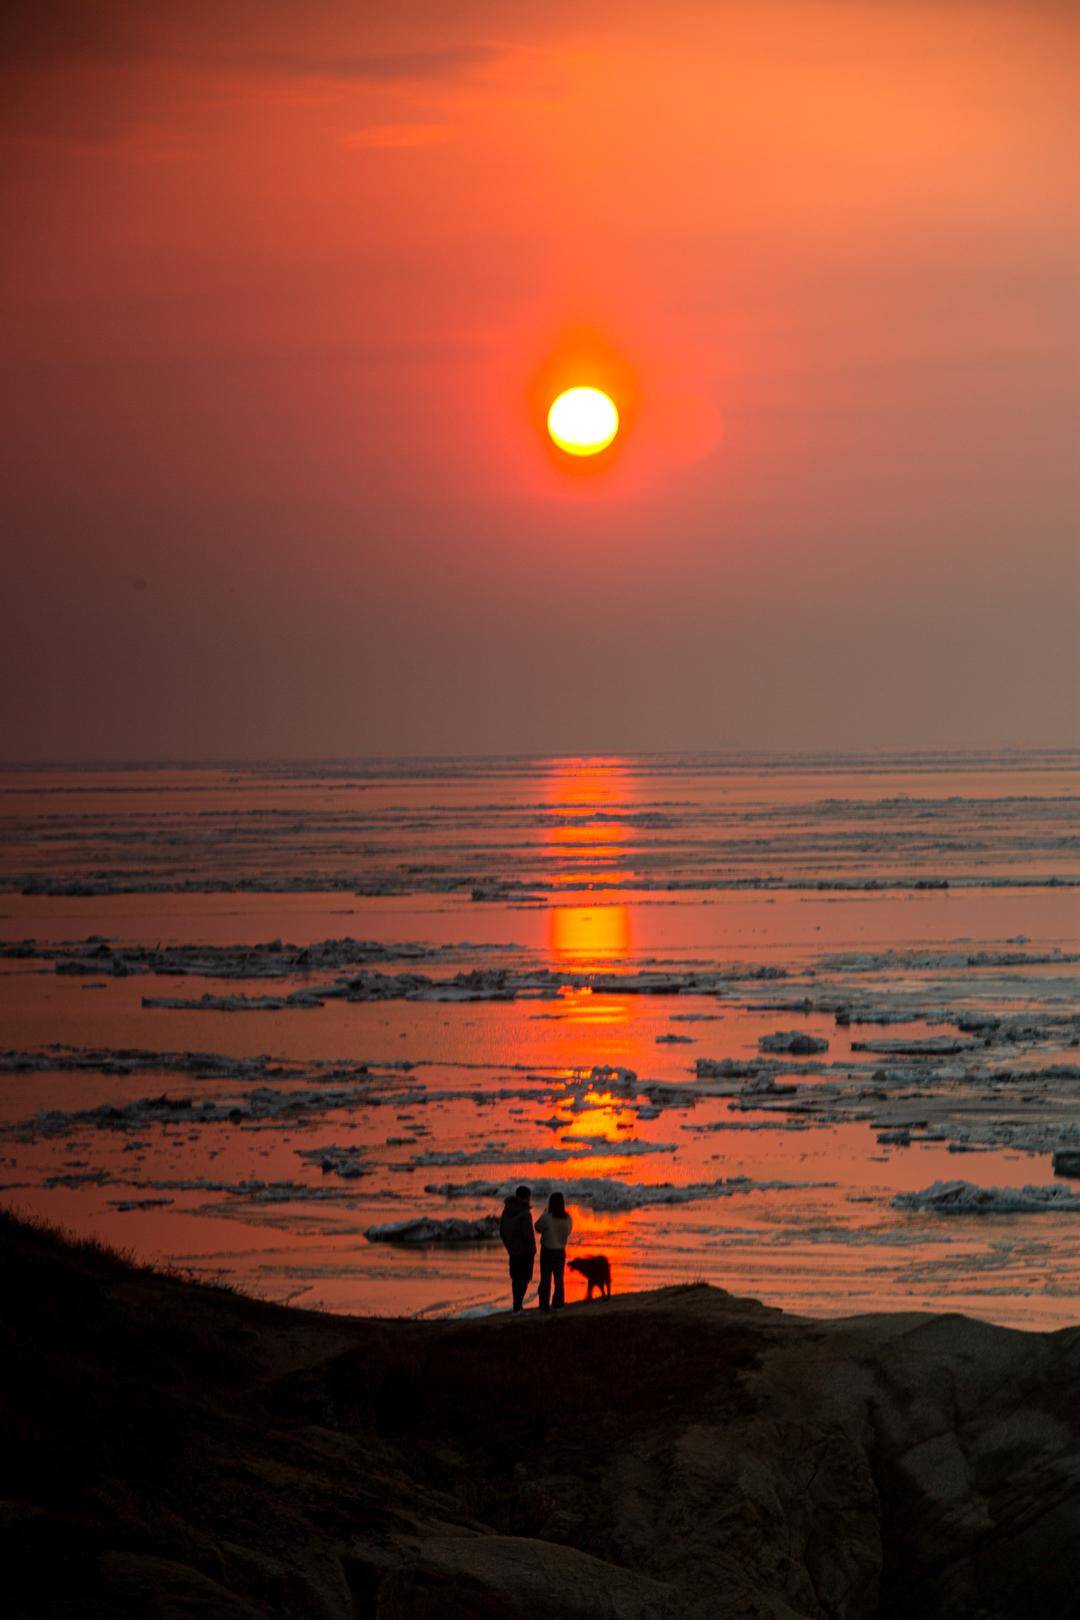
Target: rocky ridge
173	1449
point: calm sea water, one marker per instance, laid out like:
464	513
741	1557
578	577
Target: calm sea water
542	967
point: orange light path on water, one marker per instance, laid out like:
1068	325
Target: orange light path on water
581	936
594	935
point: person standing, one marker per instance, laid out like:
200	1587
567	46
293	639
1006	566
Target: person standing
516	1231
554	1227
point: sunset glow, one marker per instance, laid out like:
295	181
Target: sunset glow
538	691
583	421
327	271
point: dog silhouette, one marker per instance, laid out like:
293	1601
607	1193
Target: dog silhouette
597	1274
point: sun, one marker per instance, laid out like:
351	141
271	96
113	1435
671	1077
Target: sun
583	421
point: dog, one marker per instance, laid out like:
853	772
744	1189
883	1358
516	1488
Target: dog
597	1274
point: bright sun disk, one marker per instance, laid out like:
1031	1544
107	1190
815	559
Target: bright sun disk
583	421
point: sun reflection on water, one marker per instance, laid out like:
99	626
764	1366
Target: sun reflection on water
580	935
588	841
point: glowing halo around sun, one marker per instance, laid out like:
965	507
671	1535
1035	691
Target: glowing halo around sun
583	421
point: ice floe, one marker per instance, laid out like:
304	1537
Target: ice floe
607	1196
273	959
728	1068
426	1229
305	1000
964	1198
932	1047
264	1103
581	1147
795	1041
339	1161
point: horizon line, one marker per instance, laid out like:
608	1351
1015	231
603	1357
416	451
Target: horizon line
730	753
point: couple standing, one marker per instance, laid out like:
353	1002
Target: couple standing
518	1233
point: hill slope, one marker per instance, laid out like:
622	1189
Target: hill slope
171	1450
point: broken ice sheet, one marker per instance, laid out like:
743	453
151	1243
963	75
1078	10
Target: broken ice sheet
797	898
606	1194
963	1198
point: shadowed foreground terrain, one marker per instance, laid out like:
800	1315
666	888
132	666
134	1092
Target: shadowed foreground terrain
174	1450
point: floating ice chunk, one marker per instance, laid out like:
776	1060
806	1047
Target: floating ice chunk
125	1060
764	1085
770	1124
339	1161
964	1198
304	999
574	1147
608	1196
426	1229
492	1153
793	1040
271	960
516	891
261	1192
84	1178
265	1103
931	961
612	1077
601	1147
725	1069
287	1192
933	1046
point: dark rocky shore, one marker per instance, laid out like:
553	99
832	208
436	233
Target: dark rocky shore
172	1450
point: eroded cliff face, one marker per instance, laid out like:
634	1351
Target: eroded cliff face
171	1450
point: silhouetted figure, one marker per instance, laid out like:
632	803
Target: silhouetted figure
519	1241
596	1272
554	1227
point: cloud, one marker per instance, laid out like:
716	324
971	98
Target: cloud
395	68
390	137
39	34
36	33
93	71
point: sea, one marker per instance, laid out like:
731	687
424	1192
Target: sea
803	1027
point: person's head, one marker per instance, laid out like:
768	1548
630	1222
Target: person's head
525	1194
557	1204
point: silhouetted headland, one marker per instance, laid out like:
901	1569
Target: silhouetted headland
173	1449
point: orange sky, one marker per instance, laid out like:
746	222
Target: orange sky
284	287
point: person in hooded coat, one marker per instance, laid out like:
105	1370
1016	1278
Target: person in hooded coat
519	1241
